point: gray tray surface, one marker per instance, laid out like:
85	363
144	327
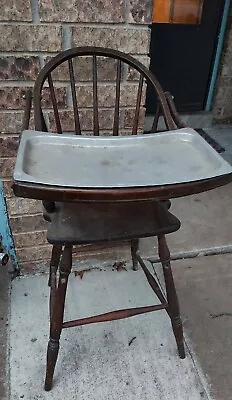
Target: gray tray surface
112	162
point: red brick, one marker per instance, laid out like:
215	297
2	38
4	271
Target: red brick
7	189
8	145
34	253
7	167
86	120
129	118
82	11
128	40
34	267
30	239
83	69
132	74
20	206
19	68
11	122
14	97
107	95
140	11
30	37
15	10
28	223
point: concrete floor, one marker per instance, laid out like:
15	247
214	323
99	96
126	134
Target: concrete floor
206	222
99	362
223	135
204	286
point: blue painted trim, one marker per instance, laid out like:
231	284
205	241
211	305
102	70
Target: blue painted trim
218	55
5	231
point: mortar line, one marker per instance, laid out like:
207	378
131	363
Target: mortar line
35	11
41	61
28	53
66	37
112	25
126	12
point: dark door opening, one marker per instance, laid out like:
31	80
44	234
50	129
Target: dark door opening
184	36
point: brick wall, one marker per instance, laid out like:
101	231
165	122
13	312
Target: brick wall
222	105
31	31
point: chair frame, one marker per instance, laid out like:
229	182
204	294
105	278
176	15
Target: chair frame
62	254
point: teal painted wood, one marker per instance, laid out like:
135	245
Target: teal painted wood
218	55
5	231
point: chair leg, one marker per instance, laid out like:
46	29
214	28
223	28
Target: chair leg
55	259
172	299
134	249
57	312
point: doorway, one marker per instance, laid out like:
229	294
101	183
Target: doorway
184	36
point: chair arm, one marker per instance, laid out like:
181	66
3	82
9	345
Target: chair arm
174	113
27	110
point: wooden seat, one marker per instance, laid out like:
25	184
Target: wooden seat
108	218
89	223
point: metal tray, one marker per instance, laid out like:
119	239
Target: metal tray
166	158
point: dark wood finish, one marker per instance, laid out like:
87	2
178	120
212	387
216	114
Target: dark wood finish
173	304
41	192
27	110
134	249
83	223
95	52
74	98
174	113
95	98
117	99
114	315
55	259
156	118
57	314
54	104
151	280
137	108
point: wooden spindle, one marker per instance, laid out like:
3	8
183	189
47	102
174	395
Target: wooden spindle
95	98
137	108
74	98
114	315
117	100
154	127
54	104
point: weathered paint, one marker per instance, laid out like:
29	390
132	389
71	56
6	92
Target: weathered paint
221	37
5	231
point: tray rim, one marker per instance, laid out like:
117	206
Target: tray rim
56	193
188	132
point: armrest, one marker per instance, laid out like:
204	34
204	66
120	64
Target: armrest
27	110
174	113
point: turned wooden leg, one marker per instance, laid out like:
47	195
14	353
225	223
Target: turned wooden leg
172	299
57	313
55	259
134	249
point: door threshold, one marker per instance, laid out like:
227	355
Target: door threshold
198	119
